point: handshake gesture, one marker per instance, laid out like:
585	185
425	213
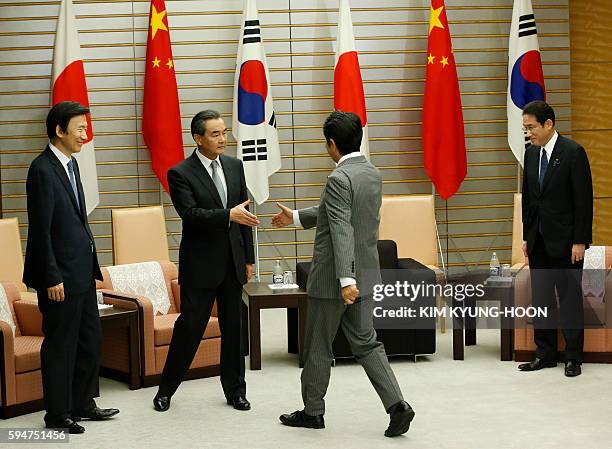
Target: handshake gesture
241	215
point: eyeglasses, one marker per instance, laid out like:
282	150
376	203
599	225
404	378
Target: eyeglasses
530	128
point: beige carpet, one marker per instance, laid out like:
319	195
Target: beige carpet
479	403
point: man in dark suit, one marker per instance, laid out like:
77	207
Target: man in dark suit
61	264
557	222
216	258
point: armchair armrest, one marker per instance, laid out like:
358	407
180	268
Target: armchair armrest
7	360
176	293
145	317
29	317
407	264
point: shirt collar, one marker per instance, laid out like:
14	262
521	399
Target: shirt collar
348	156
550	146
61	156
205	161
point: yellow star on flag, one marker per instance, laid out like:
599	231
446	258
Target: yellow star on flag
434	18
169	63
156	62
430	59
444	61
157	21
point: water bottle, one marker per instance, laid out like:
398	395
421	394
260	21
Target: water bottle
494	267
277	273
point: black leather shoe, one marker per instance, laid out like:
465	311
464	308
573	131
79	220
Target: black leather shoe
572	368
536	364
401	415
66	423
301	419
240	403
161	402
96	414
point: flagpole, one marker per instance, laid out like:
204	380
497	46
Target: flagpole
257	278
433	193
518	177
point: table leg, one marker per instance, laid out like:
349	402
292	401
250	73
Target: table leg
254	336
506	344
134	352
458	349
292	331
470	326
507	328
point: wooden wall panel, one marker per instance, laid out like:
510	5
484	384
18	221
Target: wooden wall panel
591	72
391	37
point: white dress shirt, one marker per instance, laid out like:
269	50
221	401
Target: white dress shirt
62	158
344	282
207	163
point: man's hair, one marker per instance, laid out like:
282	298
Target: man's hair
198	123
345	129
540	110
61	114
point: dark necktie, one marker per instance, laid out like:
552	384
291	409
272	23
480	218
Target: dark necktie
218	184
73	180
543	167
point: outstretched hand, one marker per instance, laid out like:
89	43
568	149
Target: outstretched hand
283	218
239	214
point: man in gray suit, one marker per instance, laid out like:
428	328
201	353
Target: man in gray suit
344	251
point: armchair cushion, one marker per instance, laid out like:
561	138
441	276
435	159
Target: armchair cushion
29	318
164	325
27	353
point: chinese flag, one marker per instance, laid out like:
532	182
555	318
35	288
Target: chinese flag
443	134
161	116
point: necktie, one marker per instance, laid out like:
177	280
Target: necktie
217	180
73	180
543	166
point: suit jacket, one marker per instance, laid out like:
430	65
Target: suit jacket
347	221
60	247
563	209
209	238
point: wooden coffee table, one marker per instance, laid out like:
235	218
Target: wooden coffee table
502	292
257	296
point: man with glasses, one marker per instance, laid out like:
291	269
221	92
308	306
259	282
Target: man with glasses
557	222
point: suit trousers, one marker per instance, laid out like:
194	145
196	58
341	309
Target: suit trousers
323	317
196	307
551	278
70	353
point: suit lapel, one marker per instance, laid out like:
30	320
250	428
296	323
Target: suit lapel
205	179
228	173
533	171
552	165
82	204
63	177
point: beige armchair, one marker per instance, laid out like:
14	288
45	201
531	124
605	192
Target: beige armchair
156	333
410	221
21	388
139	235
598	321
11	262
